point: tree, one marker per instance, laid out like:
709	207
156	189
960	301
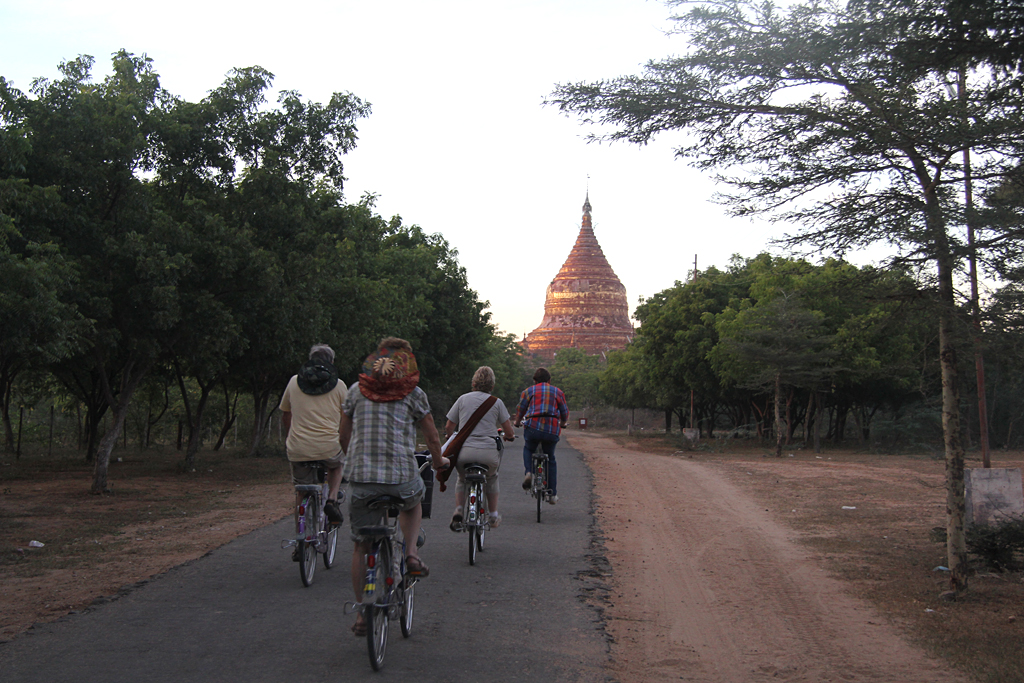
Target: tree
841	124
779	346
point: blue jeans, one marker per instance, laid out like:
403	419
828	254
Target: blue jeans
547	442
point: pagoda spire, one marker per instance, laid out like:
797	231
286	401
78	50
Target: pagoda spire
585	305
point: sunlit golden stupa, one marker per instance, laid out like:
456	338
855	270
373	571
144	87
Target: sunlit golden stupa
586	305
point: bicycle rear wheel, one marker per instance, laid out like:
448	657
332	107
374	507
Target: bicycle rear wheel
307	551
376	613
473	530
332	547
408	603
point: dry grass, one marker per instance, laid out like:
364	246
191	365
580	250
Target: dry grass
882	549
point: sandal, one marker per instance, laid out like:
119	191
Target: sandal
359	628
456	524
414	567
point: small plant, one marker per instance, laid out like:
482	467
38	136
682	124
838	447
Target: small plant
999	546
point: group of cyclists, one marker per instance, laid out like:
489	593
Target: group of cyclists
365	434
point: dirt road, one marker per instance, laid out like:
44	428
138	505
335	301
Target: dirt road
707	588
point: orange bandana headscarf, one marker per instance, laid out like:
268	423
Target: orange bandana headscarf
388	375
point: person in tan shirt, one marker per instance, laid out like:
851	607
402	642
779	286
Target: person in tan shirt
311	408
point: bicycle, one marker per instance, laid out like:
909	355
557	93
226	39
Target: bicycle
314	534
388	593
539	478
475	513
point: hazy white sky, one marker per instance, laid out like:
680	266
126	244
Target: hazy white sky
458	141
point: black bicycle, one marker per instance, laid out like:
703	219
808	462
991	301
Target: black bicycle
388	591
539	478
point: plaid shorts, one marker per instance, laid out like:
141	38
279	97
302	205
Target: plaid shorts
411	493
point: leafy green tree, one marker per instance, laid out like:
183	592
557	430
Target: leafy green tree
578	375
841	126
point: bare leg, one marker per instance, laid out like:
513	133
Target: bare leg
334	482
359	568
359	573
410	520
492	502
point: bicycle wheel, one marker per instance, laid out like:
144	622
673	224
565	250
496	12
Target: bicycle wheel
307	562
538	485
408	600
473	530
376	613
332	547
307	551
376	633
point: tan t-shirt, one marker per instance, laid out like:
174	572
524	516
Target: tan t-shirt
315	422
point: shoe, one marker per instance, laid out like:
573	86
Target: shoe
552	499
456	524
495	520
528	482
414	567
296	553
333	513
359	628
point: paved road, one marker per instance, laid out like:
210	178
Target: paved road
241	613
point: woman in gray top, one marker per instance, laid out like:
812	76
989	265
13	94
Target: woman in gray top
483	445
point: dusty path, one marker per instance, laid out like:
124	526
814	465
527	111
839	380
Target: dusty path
707	588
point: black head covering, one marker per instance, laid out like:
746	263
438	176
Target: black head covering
317	376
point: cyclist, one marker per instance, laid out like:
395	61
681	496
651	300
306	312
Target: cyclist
544	412
378	432
311	417
482	445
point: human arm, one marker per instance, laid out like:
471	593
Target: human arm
563	408
286	421
449	429
426	425
507	432
345	431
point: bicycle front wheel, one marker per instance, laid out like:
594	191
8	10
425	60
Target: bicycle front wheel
332	547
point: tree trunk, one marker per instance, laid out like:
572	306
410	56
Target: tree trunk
956	543
259	422
132	376
817	422
668	420
230	413
778	416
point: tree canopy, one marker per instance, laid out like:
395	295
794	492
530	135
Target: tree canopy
842	119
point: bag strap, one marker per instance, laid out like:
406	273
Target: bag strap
452	451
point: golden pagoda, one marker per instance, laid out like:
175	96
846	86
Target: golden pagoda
585	306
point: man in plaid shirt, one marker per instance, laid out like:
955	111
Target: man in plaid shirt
544	412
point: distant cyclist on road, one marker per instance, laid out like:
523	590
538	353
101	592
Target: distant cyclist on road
544	412
311	416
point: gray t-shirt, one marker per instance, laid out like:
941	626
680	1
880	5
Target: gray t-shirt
487	428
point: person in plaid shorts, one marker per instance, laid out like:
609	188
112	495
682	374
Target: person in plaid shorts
543	412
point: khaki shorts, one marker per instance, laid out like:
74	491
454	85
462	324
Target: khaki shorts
411	493
305	471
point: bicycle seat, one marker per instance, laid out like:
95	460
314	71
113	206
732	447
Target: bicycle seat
385	502
476	472
381	531
307	488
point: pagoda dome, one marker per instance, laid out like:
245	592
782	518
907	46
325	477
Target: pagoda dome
585	305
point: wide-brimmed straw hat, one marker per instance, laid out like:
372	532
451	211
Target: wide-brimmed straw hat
389	375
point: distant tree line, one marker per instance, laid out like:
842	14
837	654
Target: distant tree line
162	261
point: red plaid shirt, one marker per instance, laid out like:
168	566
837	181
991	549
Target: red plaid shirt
544	408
